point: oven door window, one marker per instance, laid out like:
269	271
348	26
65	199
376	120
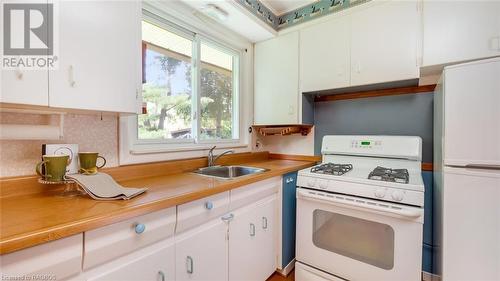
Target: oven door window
363	240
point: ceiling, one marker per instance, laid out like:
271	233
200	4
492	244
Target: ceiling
259	20
238	19
279	7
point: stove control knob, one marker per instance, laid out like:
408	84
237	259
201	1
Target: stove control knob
397	195
323	184
380	193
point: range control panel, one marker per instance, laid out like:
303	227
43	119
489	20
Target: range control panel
403	147
366	143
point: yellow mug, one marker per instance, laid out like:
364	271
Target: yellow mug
55	167
88	162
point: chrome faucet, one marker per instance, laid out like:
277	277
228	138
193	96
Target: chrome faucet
212	158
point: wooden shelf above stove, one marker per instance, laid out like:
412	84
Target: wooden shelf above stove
283	130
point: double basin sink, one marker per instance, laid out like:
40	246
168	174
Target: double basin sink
228	172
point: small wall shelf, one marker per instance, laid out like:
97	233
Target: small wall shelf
283	130
32	132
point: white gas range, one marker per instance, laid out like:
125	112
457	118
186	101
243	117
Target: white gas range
360	212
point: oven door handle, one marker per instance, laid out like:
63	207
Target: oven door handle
401	211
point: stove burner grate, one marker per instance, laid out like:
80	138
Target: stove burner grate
332	169
388	174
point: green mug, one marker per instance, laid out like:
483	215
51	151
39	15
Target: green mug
88	162
54	167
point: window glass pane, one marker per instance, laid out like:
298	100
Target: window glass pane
366	241
216	95
167	85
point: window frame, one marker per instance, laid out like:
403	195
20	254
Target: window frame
195	142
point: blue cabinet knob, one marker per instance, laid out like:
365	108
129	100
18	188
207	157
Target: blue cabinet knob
209	205
140	228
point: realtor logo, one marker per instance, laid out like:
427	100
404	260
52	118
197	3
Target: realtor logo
28	35
27	29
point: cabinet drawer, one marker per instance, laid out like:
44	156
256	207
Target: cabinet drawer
155	262
115	240
200	211
55	260
250	193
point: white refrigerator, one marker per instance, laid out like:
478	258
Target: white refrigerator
467	172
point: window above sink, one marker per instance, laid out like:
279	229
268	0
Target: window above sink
196	82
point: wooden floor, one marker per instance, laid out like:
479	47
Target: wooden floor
277	277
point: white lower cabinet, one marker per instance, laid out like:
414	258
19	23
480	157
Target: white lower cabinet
252	241
55	260
201	253
236	245
267	234
240	245
118	239
153	263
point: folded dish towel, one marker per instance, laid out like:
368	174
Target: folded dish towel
102	186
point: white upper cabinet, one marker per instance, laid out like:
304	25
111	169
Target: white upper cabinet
99	56
460	30
29	87
374	43
325	55
276	80
384	43
23	86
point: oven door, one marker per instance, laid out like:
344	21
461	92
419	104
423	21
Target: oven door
359	239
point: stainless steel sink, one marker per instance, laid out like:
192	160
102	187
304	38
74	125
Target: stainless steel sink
228	172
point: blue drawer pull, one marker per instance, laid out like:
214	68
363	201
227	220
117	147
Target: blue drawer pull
140	228
209	205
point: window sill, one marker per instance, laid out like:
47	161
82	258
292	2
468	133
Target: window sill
145	150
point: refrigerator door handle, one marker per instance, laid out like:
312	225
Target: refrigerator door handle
482	166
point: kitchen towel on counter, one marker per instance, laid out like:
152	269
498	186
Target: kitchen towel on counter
103	187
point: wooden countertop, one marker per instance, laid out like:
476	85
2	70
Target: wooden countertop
31	219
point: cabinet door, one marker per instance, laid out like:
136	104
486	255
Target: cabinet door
201	253
243	248
60	258
252	241
460	30
325	55
276	80
384	43
267	235
118	239
23	86
99	56
154	263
